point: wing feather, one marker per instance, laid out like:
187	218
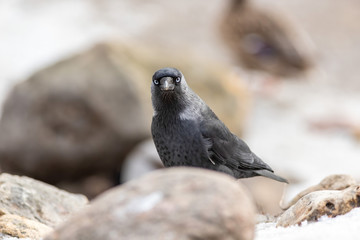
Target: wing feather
227	149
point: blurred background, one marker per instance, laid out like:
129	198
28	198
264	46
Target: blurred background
75	85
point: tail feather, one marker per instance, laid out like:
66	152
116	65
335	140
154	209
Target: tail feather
268	174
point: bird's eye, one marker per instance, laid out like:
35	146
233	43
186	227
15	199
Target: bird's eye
156	82
178	79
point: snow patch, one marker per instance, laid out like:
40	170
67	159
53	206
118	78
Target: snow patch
344	227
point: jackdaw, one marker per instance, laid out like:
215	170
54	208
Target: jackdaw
186	132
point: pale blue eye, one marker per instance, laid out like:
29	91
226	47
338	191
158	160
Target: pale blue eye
156	82
178	79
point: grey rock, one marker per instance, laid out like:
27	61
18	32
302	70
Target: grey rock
143	159
8	237
20	227
76	118
174	203
263	40
37	201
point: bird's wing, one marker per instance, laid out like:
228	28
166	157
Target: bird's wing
226	148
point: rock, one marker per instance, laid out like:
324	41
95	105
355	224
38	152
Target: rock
332	182
20	227
173	203
262	40
143	159
319	203
76	118
7	237
356	132
90	186
37	201
266	193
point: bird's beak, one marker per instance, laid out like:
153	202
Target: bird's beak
167	84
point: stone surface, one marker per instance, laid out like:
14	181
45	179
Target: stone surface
8	237
20	227
143	159
332	182
37	201
266	193
263	40
76	118
319	203
173	203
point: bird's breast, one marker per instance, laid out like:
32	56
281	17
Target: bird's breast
179	142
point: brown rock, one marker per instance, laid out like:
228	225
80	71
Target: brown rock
316	204
261	40
76	118
173	203
332	182
143	159
266	193
21	227
37	201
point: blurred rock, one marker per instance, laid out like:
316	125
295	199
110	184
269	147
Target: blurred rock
76	118
143	159
8	237
174	203
262	40
356	133
20	227
266	193
37	201
90	186
265	218
332	182
316	204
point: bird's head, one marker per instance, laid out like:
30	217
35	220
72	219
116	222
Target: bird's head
168	87
168	81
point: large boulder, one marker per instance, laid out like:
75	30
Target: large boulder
142	160
263	40
20	227
174	203
36	200
30	209
78	117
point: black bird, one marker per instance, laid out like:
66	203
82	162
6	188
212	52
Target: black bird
186	132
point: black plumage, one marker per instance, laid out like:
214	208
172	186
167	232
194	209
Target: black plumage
186	132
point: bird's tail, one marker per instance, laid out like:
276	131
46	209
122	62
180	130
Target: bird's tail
268	174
